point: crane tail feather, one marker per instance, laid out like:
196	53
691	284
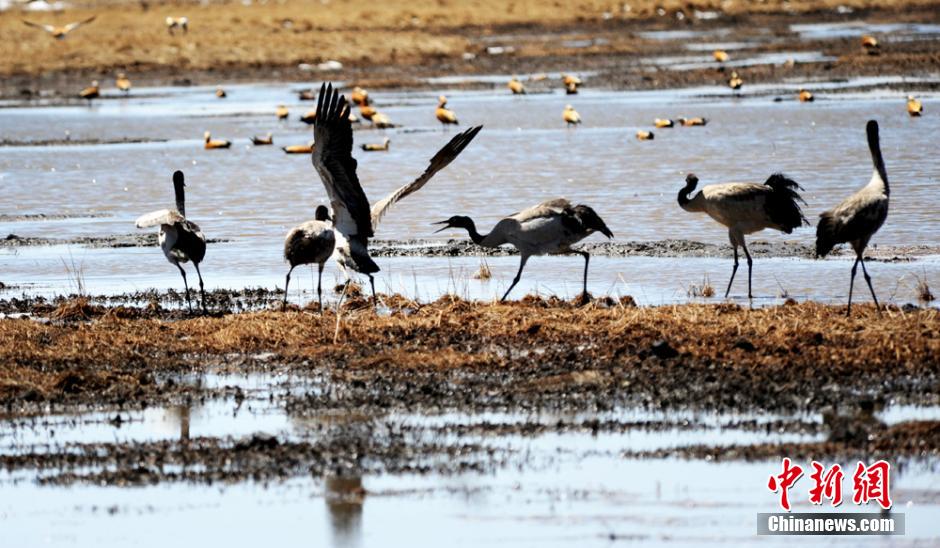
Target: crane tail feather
783	206
826	234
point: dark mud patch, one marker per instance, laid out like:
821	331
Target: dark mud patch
661	248
39	217
77	142
149	239
904	441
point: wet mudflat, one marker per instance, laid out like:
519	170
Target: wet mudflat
439	413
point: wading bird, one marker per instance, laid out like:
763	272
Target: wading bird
299	149
443	114
644	135
123	83
571	80
870	45
914	106
549	228
516	86
220	92
381	121
180	238
691	122
211	143
91	92
663	122
571	116
353	219
282	113
858	217
266	140
377	147
746	208
805	96
310	243
173	23
59	33
359	96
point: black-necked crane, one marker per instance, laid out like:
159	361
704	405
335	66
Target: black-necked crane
859	216
746	208
443	114
914	107
211	143
261	141
570	116
220	92
663	122
91	92
549	228
181	239
123	83
805	96
516	87
353	220
299	149
57	32
870	45
643	135
281	112
173	23
310	243
377	147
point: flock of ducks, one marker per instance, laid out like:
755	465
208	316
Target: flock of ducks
342	232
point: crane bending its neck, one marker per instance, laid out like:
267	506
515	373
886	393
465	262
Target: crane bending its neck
686	203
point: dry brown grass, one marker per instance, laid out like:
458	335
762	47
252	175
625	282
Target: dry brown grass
222	35
780	347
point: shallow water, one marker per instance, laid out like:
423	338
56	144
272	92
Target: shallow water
252	195
574	487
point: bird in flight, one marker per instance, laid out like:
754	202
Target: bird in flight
59	33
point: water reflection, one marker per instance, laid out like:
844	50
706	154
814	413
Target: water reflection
344	497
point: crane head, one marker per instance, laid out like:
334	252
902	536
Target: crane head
178	178
322	213
457	221
690	181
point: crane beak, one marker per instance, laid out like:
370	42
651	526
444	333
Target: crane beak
446	226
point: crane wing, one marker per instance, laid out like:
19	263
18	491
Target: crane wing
160	217
332	158
72	26
47	28
440	160
547	208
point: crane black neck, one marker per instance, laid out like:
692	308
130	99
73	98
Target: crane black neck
178	185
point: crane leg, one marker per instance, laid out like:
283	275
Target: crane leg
186	285
734	269
848	311
516	279
868	279
320	288
286	284
587	258
750	266
372	283
202	289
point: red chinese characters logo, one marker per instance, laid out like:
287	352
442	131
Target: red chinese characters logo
869	483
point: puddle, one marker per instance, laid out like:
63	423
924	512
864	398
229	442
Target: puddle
890	31
703	62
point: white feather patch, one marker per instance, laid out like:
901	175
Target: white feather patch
160	217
